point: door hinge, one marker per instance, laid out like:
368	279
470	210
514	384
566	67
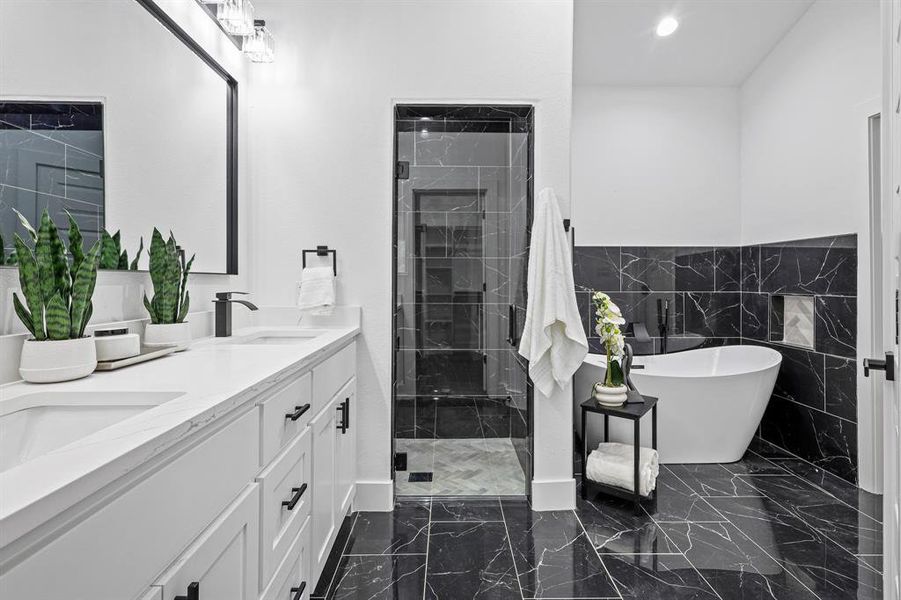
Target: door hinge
400	461
878	364
402	169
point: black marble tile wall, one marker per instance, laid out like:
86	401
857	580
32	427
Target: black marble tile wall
813	411
726	295
461	245
51	156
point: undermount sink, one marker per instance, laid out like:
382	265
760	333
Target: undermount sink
276	337
35	424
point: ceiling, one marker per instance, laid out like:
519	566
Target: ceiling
718	42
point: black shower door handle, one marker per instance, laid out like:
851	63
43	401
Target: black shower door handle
512	328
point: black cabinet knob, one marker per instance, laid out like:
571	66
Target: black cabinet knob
193	592
298	412
298	591
295	498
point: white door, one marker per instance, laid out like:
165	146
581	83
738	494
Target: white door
891	230
324	518
346	451
223	562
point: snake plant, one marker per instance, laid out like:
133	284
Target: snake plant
57	291
169	275
113	257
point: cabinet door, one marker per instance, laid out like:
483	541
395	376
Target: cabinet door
224	561
346	452
323	427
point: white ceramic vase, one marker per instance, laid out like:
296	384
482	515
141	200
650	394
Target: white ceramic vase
610	396
51	361
164	335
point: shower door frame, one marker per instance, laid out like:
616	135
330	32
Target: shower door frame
530	196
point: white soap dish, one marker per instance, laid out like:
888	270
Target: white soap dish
145	355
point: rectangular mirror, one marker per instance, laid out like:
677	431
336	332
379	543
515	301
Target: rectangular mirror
124	122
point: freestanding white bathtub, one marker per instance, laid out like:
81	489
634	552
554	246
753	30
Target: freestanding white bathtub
710	401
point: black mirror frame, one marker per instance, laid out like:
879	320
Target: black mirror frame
231	165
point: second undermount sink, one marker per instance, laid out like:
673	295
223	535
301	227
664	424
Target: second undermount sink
277	337
35	424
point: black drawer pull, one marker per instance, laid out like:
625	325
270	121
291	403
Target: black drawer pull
298	492
298	591
193	592
298	412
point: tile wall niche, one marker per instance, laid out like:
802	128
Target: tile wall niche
726	295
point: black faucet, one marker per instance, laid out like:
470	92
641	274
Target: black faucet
663	323
223	304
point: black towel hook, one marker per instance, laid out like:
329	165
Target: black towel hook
322	251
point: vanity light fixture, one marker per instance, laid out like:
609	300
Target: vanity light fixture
236	17
667	26
260	45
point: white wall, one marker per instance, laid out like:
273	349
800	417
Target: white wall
322	162
117	296
656	165
803	166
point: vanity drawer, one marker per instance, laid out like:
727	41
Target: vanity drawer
117	551
332	374
277	427
286	499
294	571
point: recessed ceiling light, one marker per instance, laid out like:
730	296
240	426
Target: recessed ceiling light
667	26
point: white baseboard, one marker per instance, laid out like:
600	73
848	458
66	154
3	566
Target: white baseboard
377	496
557	494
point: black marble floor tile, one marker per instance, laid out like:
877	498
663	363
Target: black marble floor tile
379	578
334	558
470	560
825	568
712	480
754	464
664	576
403	531
850	529
677	502
613	527
867	503
553	556
471	509
732	564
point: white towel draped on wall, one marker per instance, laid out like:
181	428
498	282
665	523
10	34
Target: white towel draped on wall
317	291
553	339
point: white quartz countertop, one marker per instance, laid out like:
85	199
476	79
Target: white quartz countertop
213	376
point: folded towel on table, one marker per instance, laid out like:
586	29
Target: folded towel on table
317	290
613	464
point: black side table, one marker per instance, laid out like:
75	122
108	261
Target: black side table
633	411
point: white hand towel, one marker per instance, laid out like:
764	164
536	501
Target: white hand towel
613	464
553	339
317	291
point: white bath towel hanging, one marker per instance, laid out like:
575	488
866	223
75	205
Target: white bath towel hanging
553	339
317	291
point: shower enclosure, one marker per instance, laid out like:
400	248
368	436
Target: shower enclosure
462	210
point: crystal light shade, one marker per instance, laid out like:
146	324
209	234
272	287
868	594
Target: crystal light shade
260	45
236	16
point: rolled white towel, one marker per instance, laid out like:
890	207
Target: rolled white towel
317	290
612	464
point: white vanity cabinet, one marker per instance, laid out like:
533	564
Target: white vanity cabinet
247	507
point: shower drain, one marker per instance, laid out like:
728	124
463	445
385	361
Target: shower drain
420	476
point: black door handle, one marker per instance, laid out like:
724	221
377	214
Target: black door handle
345	415
298	412
298	591
511	325
193	592
297	493
877	364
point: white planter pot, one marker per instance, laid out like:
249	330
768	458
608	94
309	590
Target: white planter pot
610	396
51	361
162	335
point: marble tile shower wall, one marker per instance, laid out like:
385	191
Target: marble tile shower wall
725	295
461	252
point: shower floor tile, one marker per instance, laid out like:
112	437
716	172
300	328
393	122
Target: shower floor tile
461	467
